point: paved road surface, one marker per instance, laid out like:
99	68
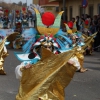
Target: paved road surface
84	86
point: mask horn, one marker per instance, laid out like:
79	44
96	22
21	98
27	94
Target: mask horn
68	29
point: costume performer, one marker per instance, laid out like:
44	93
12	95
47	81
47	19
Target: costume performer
86	34
18	22
31	17
78	40
5	19
17	40
3	51
44	73
15	37
25	19
85	43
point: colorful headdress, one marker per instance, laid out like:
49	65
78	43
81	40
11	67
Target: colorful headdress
74	27
86	22
44	29
72	31
70	24
48	15
24	10
69	31
6	12
17	12
47	34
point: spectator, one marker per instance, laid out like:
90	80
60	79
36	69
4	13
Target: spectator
78	22
97	40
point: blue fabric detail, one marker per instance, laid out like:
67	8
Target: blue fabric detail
81	43
2	33
64	35
26	48
15	53
60	43
65	50
29	33
67	39
60	32
32	61
79	34
6	43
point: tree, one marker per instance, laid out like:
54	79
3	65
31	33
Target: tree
14	3
20	3
24	4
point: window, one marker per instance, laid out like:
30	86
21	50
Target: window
91	10
48	8
99	9
81	11
57	9
70	12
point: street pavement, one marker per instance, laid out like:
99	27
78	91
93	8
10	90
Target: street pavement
84	86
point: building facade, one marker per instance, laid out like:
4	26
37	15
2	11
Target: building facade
74	8
48	6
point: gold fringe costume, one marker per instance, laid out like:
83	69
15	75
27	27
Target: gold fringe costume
47	78
3	54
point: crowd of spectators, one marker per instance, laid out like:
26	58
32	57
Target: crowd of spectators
89	25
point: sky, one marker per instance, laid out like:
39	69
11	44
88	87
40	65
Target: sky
16	1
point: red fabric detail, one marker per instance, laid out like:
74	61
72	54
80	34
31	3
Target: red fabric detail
42	37
23	9
38	40
48	18
56	52
86	22
46	35
51	35
70	24
6	11
65	22
17	11
18	23
35	54
54	39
